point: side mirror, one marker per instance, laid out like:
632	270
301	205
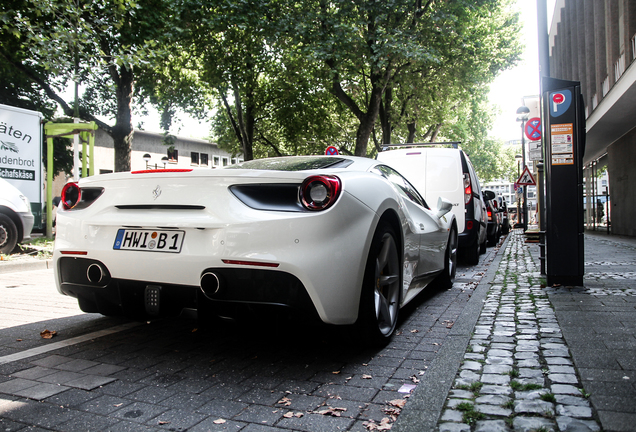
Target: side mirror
443	206
489	195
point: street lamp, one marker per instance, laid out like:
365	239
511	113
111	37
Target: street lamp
146	157
523	112
518	224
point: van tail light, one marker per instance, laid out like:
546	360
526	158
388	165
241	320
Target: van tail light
320	192
469	225
489	215
468	189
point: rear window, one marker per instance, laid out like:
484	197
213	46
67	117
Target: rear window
299	163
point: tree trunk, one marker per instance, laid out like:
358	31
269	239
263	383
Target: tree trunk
367	122
385	120
412	129
435	132
122	132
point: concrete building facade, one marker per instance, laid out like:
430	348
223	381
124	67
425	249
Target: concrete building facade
184	153
594	42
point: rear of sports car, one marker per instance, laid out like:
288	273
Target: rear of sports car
155	243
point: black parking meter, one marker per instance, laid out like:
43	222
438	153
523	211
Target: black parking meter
564	132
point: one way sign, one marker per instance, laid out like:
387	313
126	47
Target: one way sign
526	178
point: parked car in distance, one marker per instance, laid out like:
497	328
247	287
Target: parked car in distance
445	172
494	218
503	209
16	219
347	240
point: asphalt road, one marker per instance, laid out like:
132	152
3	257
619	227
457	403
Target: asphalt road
266	374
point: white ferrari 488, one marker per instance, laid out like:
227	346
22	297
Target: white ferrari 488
346	239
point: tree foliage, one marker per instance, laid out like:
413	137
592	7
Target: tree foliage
105	46
282	76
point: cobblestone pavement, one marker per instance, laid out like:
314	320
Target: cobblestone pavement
517	372
598	322
174	375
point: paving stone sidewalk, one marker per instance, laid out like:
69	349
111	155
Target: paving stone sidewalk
517	373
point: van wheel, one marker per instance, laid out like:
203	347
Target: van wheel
8	234
381	289
471	253
482	248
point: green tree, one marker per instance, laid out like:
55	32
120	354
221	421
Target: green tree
106	46
374	52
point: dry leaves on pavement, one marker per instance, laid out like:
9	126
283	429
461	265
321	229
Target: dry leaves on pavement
48	334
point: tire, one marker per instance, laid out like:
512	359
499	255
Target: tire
8	234
450	261
482	248
381	289
471	253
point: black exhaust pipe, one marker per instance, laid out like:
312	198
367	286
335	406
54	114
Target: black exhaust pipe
96	274
210	284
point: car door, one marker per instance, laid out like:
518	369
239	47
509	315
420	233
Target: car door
429	235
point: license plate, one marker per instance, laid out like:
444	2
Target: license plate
149	240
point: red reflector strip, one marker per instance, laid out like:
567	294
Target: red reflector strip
252	263
74	252
150	171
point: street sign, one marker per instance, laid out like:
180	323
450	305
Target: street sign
535	151
331	150
526	178
533	129
519	191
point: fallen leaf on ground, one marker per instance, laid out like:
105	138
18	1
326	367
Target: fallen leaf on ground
335	372
365	376
383	426
332	411
163	422
399	403
48	334
284	401
291	414
415	331
219	421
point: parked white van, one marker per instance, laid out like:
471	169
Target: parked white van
445	172
16	219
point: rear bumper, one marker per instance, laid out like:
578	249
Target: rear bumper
142	300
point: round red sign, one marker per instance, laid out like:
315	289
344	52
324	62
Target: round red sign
558	98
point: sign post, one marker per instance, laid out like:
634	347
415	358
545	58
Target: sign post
564	132
21	154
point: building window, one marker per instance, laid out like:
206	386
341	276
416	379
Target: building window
204	159
217	161
225	161
194	158
173	155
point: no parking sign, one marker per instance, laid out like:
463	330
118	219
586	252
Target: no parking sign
533	129
331	151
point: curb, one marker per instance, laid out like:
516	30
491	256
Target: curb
20	266
424	407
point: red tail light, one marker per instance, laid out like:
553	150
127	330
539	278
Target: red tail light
469	225
319	192
489	215
71	195
468	189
